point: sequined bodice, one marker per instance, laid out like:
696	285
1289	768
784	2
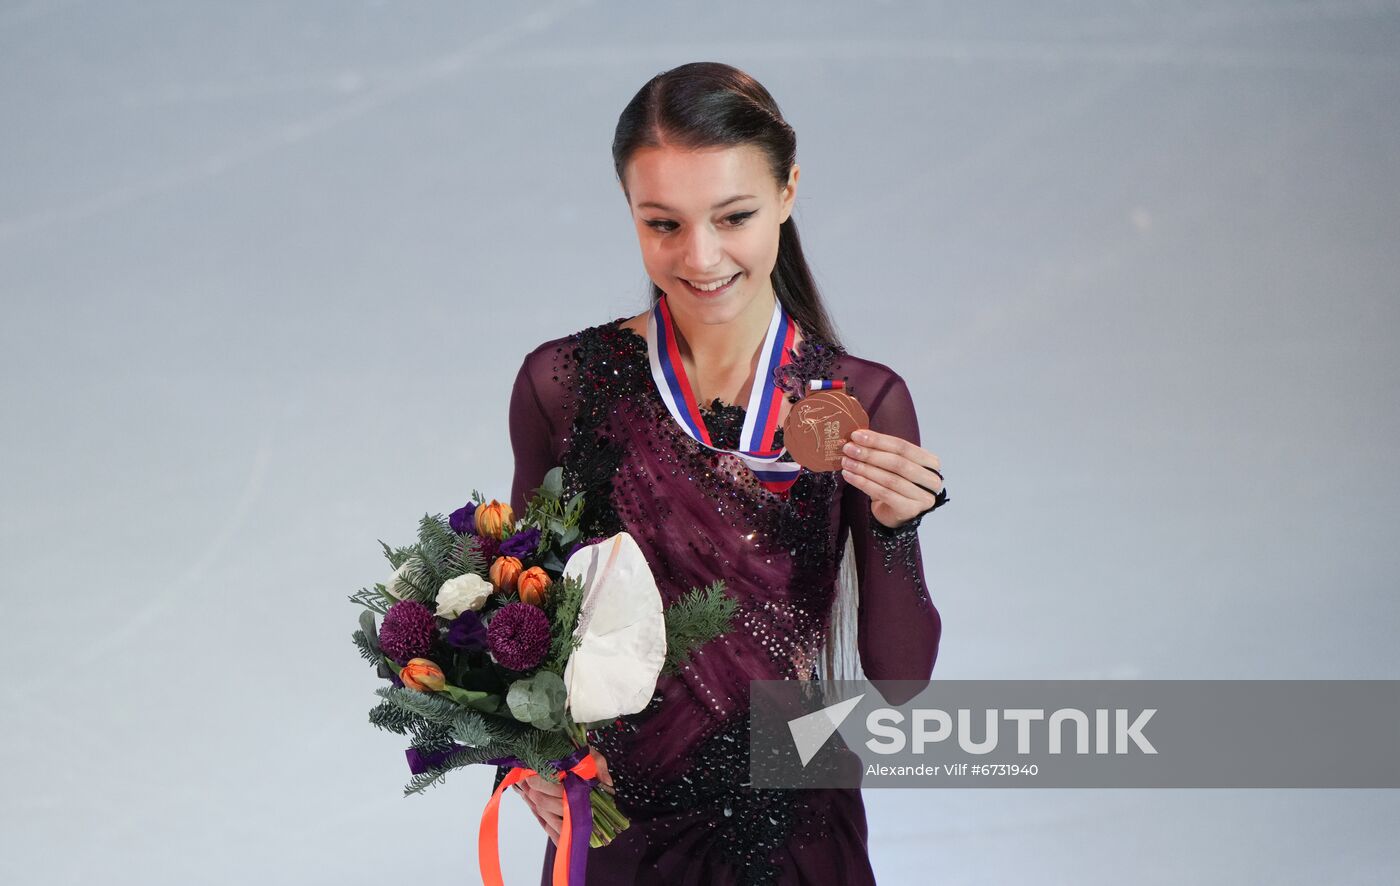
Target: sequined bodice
725	422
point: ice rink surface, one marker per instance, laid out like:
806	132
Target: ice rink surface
269	269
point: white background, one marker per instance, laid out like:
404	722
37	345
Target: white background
268	271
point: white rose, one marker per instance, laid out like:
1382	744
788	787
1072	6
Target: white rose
396	587
464	592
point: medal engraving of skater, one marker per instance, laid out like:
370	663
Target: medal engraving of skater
818	426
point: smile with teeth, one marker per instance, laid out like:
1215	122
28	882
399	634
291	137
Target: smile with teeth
712	286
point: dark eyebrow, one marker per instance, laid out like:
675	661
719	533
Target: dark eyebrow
716	206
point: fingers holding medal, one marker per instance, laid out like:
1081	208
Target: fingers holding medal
902	478
829	430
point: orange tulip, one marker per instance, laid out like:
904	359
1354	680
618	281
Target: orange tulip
422	675
504	572
494	519
532	584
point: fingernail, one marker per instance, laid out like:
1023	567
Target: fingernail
860	437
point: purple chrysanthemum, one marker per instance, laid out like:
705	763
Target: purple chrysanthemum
463	520
488	547
408	630
521	544
467	631
518	636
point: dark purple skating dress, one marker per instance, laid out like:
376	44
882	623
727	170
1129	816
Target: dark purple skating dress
587	401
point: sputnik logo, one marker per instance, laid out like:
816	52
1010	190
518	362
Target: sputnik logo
810	731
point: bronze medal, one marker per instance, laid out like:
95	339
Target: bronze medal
819	424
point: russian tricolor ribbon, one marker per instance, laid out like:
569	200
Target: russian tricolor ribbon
756	444
577	771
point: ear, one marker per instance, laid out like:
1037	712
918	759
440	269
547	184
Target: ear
788	194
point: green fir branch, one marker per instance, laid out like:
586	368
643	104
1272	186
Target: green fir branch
477	729
374	599
465	557
431	738
367	649
435	776
418	580
397	556
536	749
566	598
392	718
435	543
467	726
694	620
430	707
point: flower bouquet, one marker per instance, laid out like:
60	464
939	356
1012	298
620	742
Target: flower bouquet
505	640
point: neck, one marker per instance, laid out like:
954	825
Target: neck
724	346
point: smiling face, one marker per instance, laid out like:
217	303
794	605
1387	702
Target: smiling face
708	216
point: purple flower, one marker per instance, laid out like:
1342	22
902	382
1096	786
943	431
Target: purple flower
488	547
521	544
518	636
467	631
463	520
408	631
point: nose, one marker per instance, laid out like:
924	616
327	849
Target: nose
702	248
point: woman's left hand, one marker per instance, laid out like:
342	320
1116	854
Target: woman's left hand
891	471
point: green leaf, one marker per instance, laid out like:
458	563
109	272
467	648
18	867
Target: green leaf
553	482
471	698
539	700
371	632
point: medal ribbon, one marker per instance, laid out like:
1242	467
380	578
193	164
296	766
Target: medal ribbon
756	447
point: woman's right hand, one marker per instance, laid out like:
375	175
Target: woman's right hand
546	798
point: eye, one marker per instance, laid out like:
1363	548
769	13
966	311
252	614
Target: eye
734	221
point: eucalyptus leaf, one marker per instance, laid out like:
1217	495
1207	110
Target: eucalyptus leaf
371	634
553	486
538	700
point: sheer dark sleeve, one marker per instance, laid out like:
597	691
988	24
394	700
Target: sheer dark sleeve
898	627
532	429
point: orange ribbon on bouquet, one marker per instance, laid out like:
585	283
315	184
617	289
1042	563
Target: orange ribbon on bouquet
577	772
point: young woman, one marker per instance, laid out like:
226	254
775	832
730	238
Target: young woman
707	165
